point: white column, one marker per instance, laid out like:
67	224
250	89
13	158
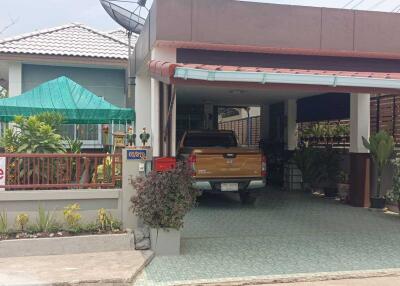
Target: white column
359	121
291	126
143	105
155	117
173	127
15	78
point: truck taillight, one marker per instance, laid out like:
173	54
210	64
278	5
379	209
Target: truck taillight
264	166
192	163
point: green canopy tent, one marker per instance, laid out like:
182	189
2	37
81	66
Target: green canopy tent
62	95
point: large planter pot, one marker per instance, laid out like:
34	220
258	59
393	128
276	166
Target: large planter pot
378	203
165	241
331	192
343	191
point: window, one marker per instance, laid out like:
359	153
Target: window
89	134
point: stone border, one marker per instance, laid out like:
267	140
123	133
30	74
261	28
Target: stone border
293	278
67	245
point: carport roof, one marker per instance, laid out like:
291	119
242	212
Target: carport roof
175	73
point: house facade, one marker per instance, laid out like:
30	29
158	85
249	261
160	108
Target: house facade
94	59
195	56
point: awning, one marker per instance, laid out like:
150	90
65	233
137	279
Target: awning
77	104
172	73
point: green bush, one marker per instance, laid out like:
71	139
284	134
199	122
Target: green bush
34	134
45	221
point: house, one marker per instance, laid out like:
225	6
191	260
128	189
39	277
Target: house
94	59
189	61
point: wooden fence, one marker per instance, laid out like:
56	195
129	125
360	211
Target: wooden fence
241	127
61	171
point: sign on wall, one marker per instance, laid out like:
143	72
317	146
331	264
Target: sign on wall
137	154
2	172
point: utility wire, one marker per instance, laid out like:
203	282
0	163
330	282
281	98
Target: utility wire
377	4
396	9
348	3
358	4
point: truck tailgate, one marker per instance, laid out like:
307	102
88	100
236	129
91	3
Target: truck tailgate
232	163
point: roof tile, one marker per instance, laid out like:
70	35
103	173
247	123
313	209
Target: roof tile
69	40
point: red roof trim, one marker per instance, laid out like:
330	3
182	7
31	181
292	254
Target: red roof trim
164	71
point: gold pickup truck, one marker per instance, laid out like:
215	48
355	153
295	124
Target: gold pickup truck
220	165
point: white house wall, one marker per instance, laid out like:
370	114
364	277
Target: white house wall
15	79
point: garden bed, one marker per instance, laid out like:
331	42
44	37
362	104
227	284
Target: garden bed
68	243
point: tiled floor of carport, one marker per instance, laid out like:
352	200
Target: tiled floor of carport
281	234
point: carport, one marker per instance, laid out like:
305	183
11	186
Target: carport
191	52
213	85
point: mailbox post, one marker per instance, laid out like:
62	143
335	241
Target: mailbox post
137	162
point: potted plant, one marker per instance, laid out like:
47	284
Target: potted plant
343	186
162	201
305	159
329	166
381	146
394	194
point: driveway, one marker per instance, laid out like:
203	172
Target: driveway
282	234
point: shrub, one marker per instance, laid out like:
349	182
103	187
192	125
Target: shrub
45	221
22	220
72	216
106	221
34	134
163	199
394	194
3	222
381	146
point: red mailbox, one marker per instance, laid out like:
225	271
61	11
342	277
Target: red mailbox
164	164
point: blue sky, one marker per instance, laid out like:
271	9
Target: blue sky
31	15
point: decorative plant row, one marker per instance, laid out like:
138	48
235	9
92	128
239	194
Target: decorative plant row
46	224
320	168
325	133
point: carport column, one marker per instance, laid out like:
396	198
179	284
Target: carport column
155	117
291	124
359	155
143	105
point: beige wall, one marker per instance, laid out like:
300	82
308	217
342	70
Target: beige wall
15	202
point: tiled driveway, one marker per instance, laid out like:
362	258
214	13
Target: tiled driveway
281	234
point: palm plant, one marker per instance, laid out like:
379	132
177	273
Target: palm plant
381	146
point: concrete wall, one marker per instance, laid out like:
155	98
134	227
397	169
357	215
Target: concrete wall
217	23
15	202
107	83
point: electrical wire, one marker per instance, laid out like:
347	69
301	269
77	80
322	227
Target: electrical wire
348	3
358	4
396	9
377	4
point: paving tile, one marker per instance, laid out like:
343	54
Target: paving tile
281	234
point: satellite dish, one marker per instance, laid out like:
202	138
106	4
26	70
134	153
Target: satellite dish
130	14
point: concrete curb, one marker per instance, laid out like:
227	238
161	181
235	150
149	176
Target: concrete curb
295	278
66	245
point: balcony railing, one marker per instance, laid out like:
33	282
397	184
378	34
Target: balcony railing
61	171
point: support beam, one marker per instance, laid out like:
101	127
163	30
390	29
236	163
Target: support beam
359	155
291	125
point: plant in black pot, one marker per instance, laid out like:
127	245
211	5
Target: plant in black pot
162	201
305	159
381	146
